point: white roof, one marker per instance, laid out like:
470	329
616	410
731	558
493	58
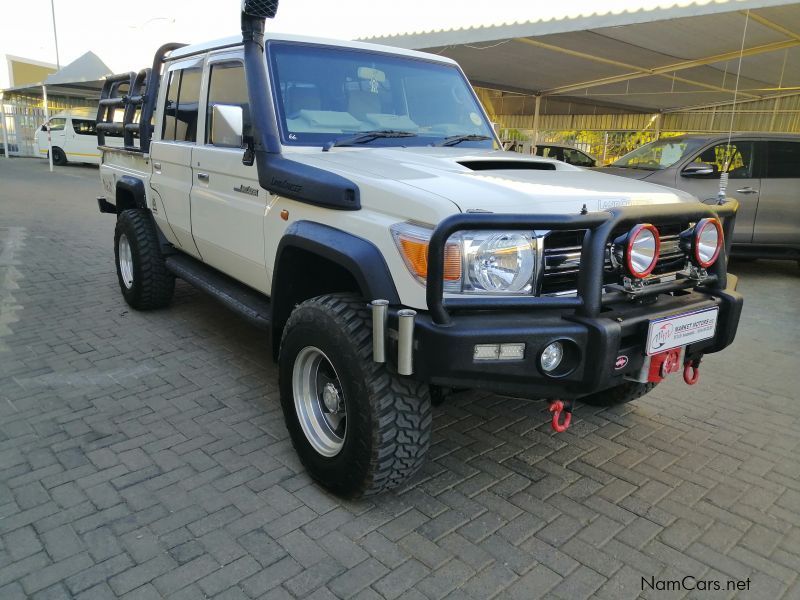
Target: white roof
236	40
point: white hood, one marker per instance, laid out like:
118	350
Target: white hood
452	174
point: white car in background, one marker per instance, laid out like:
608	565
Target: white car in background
73	136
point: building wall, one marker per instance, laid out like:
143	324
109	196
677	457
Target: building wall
25	73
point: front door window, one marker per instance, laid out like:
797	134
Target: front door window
738	156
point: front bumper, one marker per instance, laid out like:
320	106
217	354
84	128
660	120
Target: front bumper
599	328
445	355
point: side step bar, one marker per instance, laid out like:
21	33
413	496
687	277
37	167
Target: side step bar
236	296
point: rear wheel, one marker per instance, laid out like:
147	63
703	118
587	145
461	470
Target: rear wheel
143	277
621	394
59	156
357	428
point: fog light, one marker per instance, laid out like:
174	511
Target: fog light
703	242
512	351
487	351
551	357
638	250
499	351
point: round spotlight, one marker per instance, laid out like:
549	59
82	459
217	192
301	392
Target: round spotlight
708	240
551	357
638	250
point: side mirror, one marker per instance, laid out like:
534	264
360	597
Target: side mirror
227	124
699	170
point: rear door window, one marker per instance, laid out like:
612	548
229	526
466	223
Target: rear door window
783	160
182	104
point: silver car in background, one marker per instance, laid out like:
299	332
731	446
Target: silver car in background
764	176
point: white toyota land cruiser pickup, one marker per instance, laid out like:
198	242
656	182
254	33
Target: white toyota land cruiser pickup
349	199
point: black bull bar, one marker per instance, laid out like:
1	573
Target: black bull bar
599	227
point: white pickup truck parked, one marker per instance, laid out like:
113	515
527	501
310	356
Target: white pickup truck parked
350	199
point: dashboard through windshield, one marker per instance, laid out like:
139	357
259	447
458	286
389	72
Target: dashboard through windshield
324	94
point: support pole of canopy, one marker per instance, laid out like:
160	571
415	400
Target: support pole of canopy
658	126
3	121
536	122
49	134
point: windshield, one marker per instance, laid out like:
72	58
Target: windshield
658	155
324	94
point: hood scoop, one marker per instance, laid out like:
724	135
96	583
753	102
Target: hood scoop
507	165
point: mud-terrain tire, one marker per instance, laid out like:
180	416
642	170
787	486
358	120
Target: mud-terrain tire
59	157
143	277
385	431
621	394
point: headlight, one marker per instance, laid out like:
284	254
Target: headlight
477	262
498	262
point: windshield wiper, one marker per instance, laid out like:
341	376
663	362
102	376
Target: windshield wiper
454	140
634	167
367	136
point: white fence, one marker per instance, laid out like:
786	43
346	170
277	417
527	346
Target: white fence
22	122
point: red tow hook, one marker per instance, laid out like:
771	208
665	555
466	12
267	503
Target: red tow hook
557	407
691	371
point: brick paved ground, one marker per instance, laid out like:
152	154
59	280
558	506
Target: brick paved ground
145	456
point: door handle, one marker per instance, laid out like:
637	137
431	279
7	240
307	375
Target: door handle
747	190
203	177
157	166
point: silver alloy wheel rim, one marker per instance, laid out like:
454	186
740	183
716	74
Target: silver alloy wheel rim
125	261
319	401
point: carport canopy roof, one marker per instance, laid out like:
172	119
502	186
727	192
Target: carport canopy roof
82	78
670	56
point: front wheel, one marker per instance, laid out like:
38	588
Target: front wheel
621	394
357	428
59	157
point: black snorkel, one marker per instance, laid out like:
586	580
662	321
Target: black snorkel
277	174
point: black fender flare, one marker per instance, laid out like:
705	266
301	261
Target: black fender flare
359	257
134	187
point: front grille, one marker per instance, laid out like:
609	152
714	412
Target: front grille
562	257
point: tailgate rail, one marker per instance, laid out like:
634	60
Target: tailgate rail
134	94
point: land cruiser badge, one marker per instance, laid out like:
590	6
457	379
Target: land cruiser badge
606	203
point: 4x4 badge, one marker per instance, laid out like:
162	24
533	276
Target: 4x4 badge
621	362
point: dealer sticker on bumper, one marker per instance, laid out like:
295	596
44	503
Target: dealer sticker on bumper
674	332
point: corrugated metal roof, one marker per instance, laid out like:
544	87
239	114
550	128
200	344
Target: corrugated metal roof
520	19
603	59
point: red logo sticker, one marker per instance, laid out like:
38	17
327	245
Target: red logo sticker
621	362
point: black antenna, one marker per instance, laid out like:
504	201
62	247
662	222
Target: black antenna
723	178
